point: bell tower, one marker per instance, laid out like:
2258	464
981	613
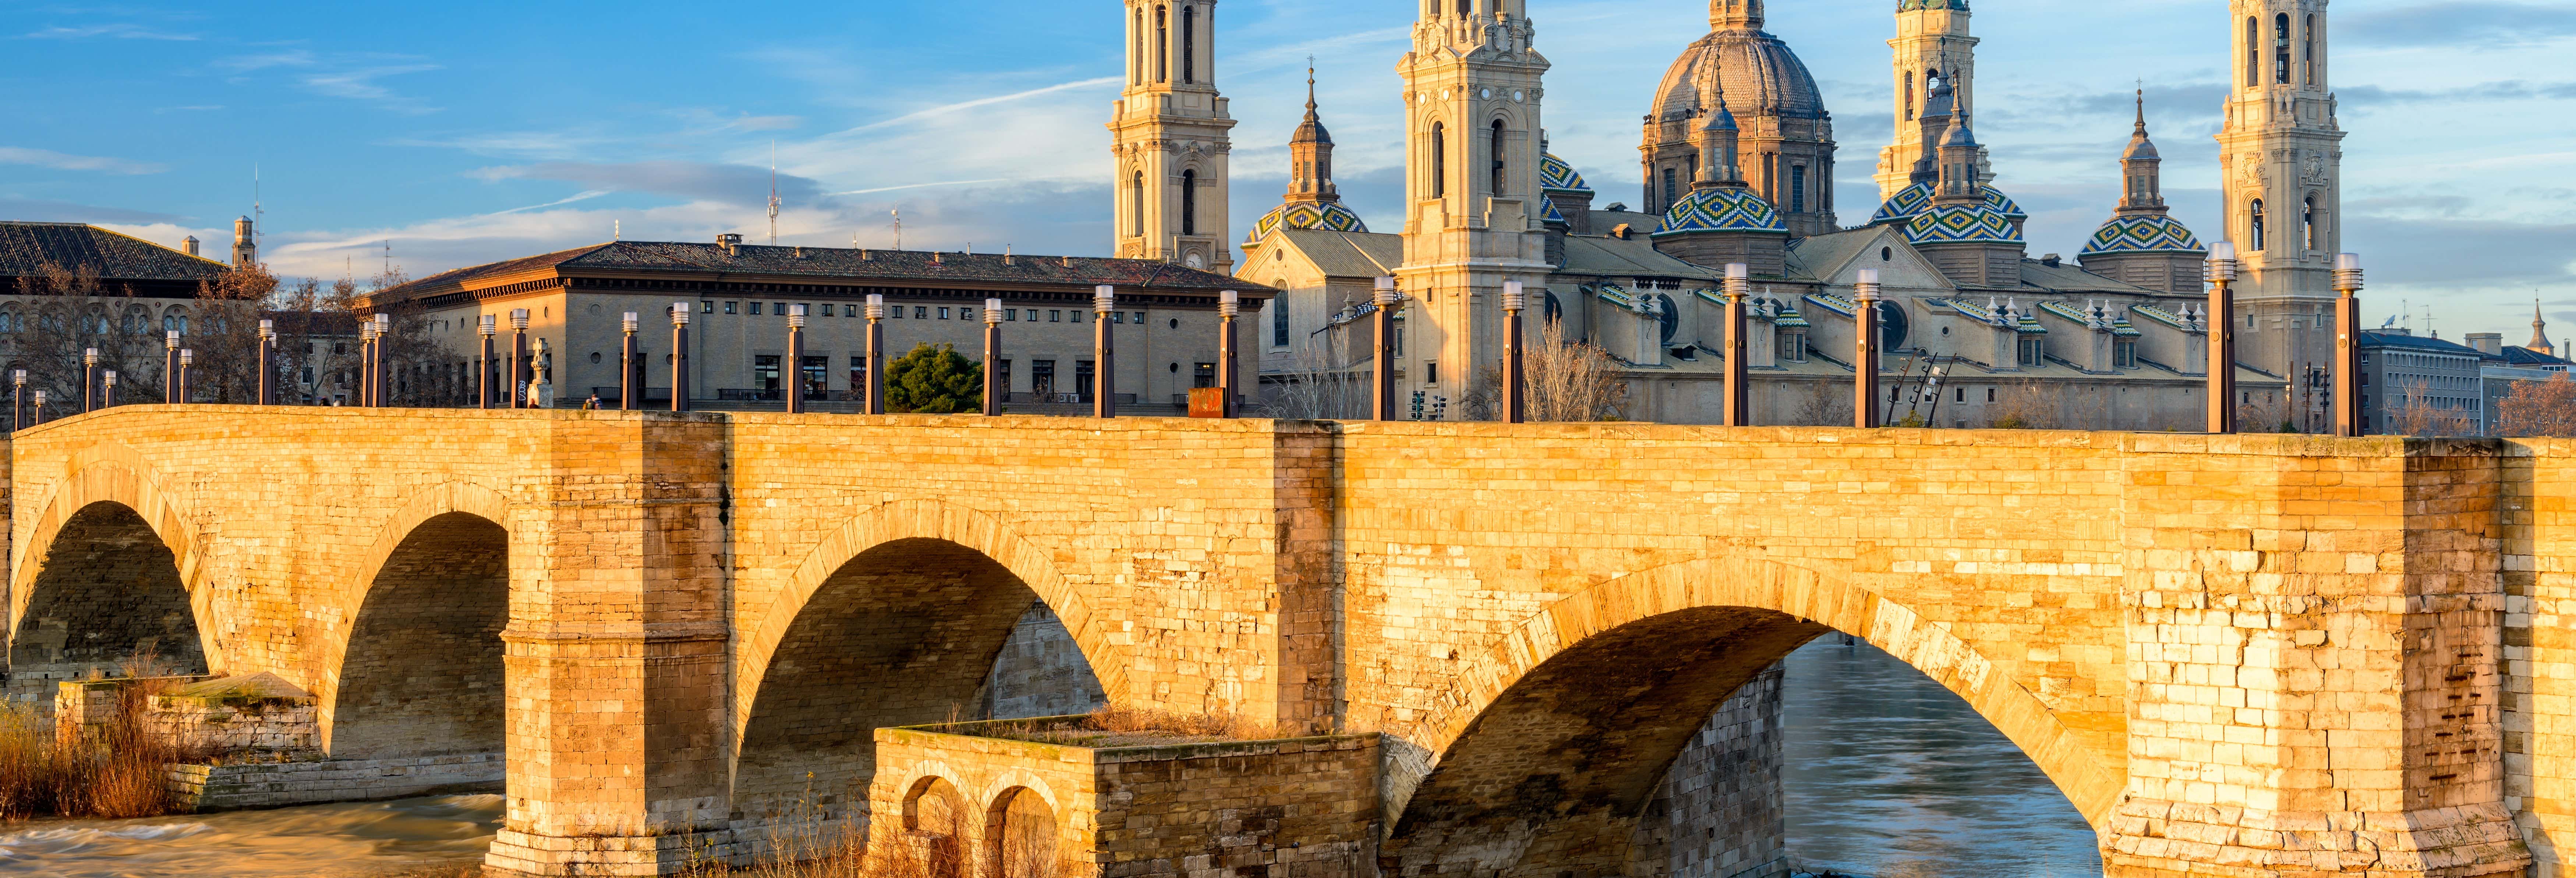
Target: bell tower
2281	156
1169	132
1472	204
1932	46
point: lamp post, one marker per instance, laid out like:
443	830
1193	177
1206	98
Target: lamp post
267	342
1864	352
993	389
679	356
1382	375
483	374
187	371
876	355
796	359
107	389
1515	381
17	399
1104	356
2220	271
519	371
384	372
89	380
170	367
628	387
366	363
40	408
1228	304
1739	393
2346	395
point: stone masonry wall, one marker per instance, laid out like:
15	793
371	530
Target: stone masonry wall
1041	672
1726	812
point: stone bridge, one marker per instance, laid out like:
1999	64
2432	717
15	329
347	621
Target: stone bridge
2240	655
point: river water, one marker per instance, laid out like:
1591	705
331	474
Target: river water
1888	775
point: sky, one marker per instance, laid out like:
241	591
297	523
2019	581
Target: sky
431	137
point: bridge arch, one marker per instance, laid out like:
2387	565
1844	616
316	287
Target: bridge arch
416	668
893	618
1554	737
108	573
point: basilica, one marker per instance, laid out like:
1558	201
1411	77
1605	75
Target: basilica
1737	155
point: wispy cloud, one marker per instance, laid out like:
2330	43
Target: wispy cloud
46	158
360	84
118	31
944	109
248	63
585	196
2455	22
697	181
928	185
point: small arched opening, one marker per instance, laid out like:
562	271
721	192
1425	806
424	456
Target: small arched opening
422	672
934	824
1020	836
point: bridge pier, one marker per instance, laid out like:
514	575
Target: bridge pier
616	654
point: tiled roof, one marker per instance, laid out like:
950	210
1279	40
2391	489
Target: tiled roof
2415	342
25	247
2161	315
1347	254
2521	356
2118	326
840	264
1605	256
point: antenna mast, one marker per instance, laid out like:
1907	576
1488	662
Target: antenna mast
258	217
773	193
898	228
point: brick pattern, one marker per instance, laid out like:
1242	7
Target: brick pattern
2178	629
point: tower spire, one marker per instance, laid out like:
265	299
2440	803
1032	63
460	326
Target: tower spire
1170	132
2539	330
2141	183
1718	139
1310	154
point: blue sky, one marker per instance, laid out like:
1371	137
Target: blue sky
469	132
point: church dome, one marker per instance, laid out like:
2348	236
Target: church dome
1962	224
1912	5
2142	233
1917	198
1328	215
1554	175
1721	209
1552	215
1759	74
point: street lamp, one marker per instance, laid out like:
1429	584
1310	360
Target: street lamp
2346	397
993	389
1865	350
1104	370
2220	271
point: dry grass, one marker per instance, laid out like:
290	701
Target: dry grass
120	770
1122	726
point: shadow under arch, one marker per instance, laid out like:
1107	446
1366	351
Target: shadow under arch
470	499
420	669
896	618
107	574
1553	741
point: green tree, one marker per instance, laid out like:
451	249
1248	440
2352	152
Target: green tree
934	381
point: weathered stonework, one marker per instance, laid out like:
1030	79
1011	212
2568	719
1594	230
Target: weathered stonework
2235	655
1293	808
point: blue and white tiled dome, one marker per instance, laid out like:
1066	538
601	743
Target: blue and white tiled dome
1721	209
1554	175
1917	198
2143	233
1962	224
1552	214
1330	215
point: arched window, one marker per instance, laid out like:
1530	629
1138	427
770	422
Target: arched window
1671	194
2256	226
2309	229
1136	46
1495	149
2308	50
1909	97
1136	205
2281	48
1162	44
174	319
1279	315
1189	44
1797	188
1439	160
2253	53
1189	202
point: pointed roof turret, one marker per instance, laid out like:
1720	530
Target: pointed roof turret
2140	223
1718	138
2539	330
1311	130
1313	201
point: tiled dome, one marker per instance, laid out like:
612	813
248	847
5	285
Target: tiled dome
1554	175
2143	233
1917	198
1721	209
1327	215
1962	224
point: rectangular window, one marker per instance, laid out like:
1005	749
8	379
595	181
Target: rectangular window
1670	193
755	309
1959	394
1140	318
730	306
2124	354
1793	347
1990	394
1082	386
1033	315
1278	322
1042	379
825	312
1117	316
920	312
2030	352
943	313
1011	315
818	376
1202	374
1430	372
1053	314
1797	188
1002	377
778	308
706	307
764	372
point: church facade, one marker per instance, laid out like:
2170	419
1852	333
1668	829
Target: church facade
1738	153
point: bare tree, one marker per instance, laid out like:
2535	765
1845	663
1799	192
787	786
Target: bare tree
2539	408
2269	413
2420	413
75	312
1826	404
1318	388
1570	381
2024	406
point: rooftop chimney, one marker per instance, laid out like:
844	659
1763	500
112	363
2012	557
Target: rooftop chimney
730	242
188	245
2488	343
